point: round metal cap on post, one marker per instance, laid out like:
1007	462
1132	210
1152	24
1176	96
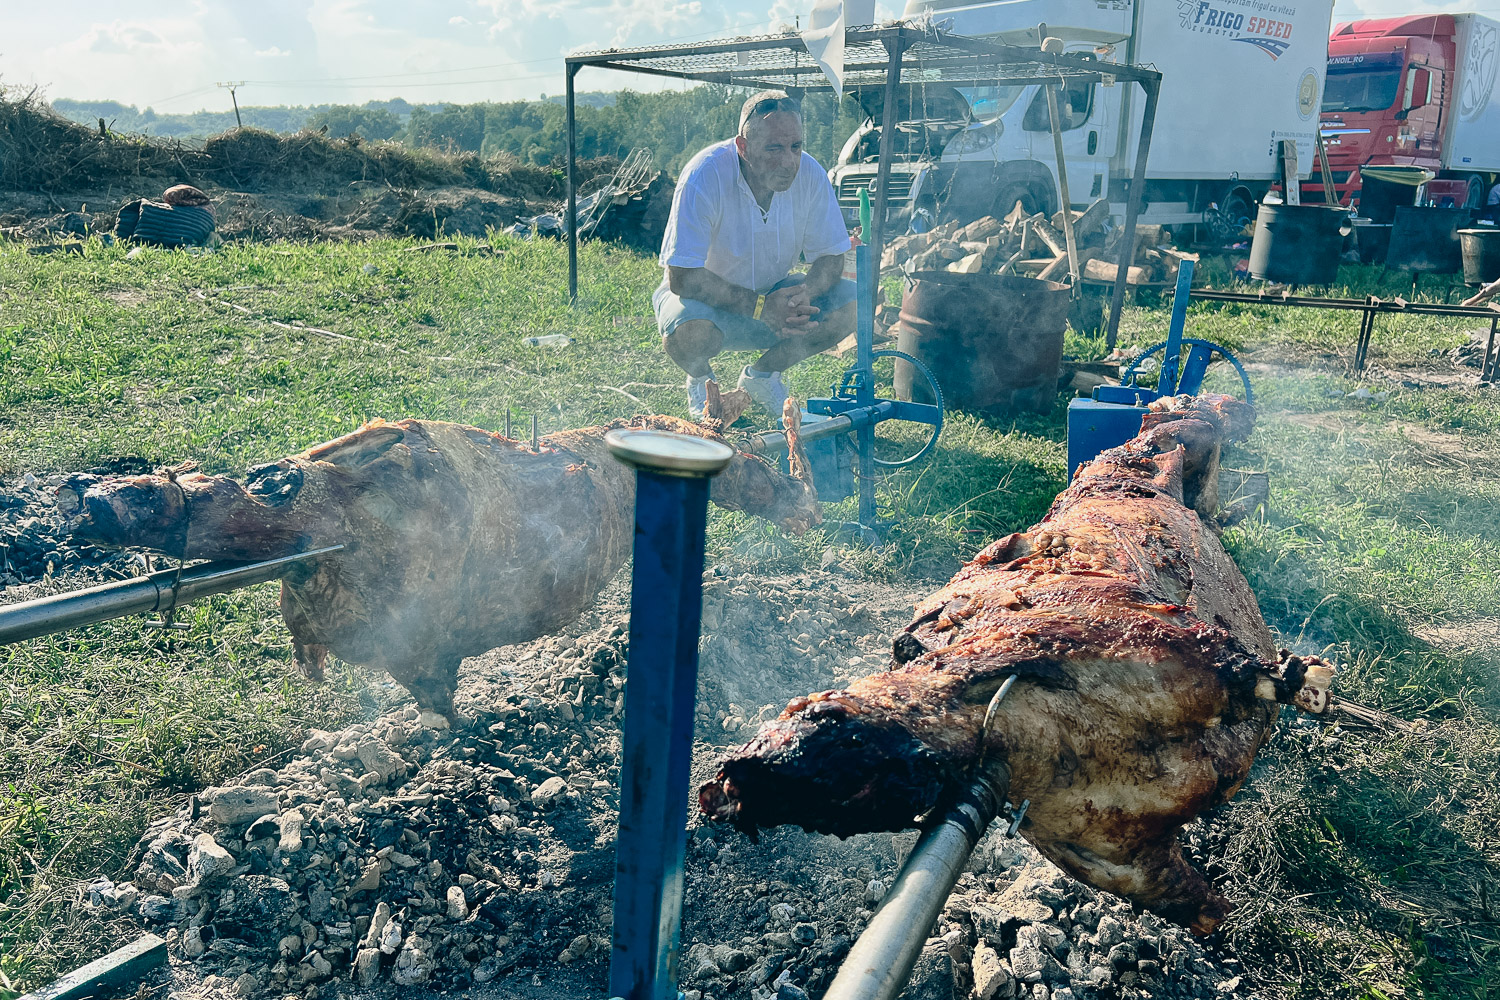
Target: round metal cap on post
669	454
666	605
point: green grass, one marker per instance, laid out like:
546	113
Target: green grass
1366	864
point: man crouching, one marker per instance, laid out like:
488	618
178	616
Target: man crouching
744	212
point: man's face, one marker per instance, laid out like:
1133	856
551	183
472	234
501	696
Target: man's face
771	149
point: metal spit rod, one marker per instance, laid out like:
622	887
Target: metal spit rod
772	442
160	591
880	963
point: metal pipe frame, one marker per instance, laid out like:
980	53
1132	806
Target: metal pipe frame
880	963
1489	368
875	238
1369	307
572	72
1397	305
1073	64
162	591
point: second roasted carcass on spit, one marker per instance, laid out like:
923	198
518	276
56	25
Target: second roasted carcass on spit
1146	682
456	540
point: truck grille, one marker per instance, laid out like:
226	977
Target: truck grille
850	185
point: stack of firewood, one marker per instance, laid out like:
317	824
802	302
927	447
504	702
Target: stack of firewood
1035	246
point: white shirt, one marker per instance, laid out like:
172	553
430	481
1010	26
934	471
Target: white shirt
716	222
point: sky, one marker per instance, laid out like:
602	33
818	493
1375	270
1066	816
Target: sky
171	54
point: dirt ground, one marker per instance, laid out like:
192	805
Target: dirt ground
489	848
359	210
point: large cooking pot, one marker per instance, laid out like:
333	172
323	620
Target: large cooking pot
994	342
1298	244
1481	252
1426	239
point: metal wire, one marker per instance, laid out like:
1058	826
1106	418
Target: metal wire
776	61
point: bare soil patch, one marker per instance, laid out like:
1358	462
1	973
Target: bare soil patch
389	856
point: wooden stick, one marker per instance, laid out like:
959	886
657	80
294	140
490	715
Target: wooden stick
1062	180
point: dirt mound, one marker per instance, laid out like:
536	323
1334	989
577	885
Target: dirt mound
391	855
306	185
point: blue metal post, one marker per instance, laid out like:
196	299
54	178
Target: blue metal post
671	505
864	339
1166	384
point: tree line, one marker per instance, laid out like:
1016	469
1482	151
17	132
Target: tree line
672	124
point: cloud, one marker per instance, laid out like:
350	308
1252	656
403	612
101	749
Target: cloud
274	52
120	37
459	20
638	20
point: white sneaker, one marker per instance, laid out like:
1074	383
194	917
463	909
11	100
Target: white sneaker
697	390
765	388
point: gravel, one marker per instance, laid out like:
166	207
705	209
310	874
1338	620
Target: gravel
34	547
392	854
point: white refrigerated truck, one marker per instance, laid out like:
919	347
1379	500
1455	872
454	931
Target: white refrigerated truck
1238	76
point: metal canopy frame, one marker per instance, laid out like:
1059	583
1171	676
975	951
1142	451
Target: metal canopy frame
891	56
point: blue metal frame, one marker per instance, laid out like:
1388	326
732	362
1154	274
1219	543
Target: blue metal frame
666	605
854	396
1113	415
1167	384
1172	381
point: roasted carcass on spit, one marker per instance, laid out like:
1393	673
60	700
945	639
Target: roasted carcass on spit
1146	681
456	540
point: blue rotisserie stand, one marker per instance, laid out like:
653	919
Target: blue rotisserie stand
666	603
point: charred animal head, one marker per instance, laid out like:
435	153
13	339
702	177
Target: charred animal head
829	767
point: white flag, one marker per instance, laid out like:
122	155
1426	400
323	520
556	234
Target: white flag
824	36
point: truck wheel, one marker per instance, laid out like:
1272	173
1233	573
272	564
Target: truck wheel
1227	223
1032	201
1474	198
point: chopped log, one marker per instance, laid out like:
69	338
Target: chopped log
1054	270
1084	383
1088	223
1050	236
1151	235
949	250
1106	270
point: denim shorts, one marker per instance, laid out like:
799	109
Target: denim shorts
741	332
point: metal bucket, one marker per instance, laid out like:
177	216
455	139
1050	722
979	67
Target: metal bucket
1426	239
994	343
1298	244
1481	252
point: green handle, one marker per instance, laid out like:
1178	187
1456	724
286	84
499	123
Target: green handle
864	214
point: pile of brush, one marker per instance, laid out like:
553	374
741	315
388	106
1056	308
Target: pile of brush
1035	246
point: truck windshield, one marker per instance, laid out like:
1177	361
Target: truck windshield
988	103
1361	87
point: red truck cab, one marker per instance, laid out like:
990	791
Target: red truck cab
1384	101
